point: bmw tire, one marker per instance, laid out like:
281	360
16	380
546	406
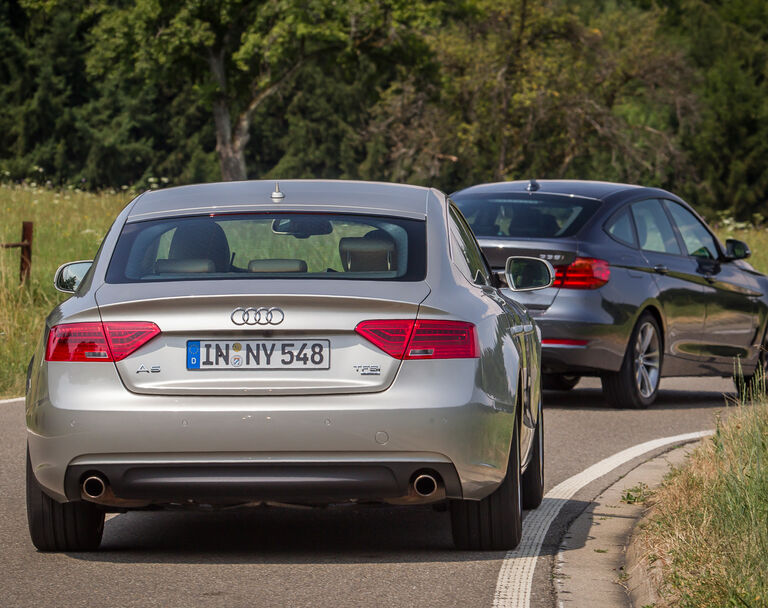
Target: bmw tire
533	478
636	384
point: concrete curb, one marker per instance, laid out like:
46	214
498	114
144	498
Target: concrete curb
13	400
591	565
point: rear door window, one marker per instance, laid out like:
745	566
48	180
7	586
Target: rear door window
620	228
654	231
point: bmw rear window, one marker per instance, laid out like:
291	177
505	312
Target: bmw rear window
264	246
525	216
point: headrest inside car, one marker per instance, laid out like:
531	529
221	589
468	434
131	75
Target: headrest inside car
366	254
277	265
184	266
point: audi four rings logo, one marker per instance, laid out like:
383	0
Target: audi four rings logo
257	316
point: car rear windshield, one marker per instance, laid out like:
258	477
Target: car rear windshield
525	216
262	246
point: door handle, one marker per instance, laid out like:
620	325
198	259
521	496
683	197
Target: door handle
661	269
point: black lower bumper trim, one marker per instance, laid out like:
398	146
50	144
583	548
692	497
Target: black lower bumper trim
222	483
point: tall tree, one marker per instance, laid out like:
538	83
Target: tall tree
236	54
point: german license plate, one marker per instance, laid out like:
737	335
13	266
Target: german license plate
258	354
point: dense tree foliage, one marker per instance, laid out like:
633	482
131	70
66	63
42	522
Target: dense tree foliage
670	93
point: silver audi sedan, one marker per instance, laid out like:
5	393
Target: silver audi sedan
307	342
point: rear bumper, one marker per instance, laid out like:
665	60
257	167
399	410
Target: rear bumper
341	446
242	480
583	315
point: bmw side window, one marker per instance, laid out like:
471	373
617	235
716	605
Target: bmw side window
620	228
698	241
467	247
654	231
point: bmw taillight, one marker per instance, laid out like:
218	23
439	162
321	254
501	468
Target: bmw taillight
96	341
582	273
429	339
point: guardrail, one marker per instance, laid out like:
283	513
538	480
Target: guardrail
26	250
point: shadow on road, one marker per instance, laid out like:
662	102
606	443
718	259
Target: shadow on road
668	399
273	535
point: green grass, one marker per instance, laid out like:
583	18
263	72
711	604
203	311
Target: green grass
709	524
69	226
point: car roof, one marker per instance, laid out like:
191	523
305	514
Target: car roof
584	188
298	195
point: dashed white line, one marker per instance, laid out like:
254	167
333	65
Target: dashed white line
9	401
513	587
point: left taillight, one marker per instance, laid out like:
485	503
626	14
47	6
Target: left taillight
95	341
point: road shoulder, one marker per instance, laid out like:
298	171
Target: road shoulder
591	566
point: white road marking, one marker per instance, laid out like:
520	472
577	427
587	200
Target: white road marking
9	401
513	587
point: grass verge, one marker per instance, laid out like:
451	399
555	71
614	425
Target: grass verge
708	525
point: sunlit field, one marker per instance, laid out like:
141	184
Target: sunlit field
69	225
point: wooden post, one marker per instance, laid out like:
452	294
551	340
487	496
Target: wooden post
26	251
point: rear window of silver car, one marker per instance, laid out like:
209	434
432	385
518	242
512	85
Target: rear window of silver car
525	216
285	245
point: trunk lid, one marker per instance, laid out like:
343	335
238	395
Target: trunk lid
308	345
557	251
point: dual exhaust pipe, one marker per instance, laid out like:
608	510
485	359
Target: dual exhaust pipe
424	485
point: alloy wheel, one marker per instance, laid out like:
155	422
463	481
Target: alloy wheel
647	360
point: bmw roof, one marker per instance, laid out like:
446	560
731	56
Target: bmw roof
588	189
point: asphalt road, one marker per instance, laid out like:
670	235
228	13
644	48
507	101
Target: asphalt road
334	557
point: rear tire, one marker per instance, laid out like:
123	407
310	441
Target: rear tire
533	478
55	526
636	384
559	382
494	523
754	385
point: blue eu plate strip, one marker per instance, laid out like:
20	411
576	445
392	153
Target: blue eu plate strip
193	355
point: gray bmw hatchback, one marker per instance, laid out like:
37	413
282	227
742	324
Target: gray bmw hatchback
312	342
643	290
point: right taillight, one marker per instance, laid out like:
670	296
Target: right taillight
429	339
582	273
95	341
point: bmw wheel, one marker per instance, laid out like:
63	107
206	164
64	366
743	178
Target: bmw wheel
754	385
55	526
494	523
636	384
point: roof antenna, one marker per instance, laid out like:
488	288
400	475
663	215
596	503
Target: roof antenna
277	195
532	186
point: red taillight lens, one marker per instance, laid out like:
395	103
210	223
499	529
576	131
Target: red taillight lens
404	339
582	273
390	336
126	337
111	341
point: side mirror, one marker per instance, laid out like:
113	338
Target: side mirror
526	274
69	276
736	250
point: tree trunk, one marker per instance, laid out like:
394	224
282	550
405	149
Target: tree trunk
231	150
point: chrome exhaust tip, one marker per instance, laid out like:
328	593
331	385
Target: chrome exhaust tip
425	485
94	487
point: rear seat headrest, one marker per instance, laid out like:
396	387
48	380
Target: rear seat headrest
184	266
363	254
277	265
